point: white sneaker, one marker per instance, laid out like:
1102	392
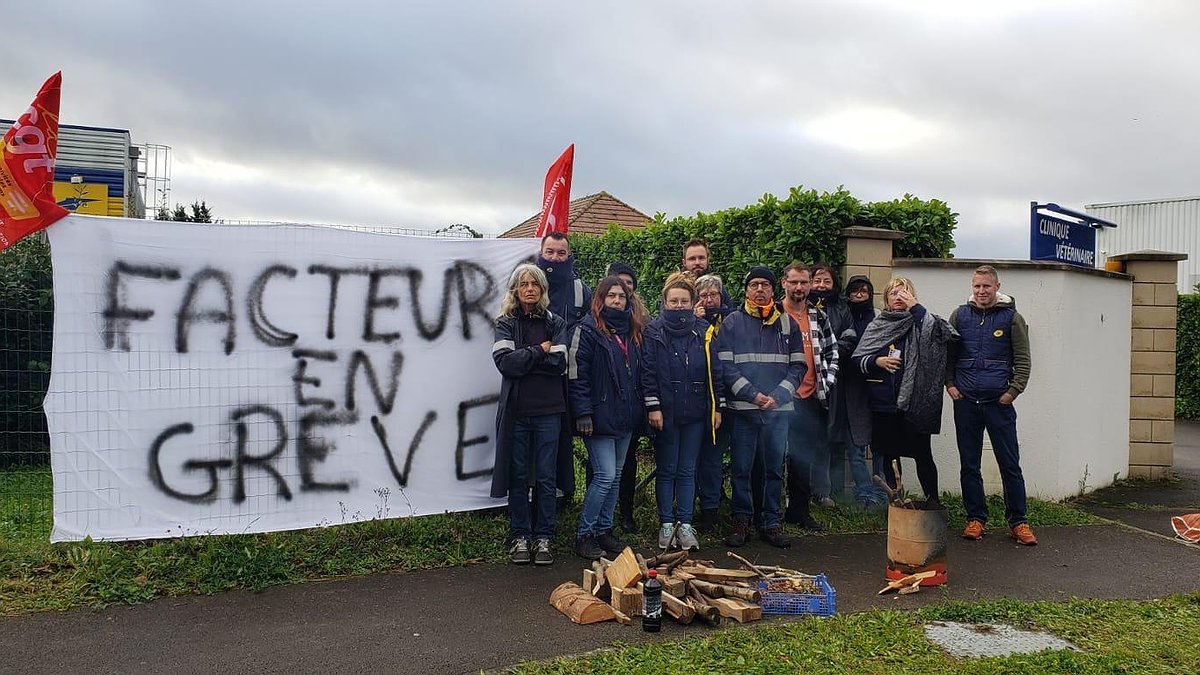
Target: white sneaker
688	540
664	535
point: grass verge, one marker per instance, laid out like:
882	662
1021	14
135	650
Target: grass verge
36	575
1157	636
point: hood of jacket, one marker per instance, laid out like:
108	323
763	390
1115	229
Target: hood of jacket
1002	301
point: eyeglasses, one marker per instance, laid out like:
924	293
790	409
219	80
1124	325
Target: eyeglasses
759	284
710	294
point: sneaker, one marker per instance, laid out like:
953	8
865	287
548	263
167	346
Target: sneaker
973	530
519	552
586	547
611	545
665	535
740	533
775	537
1023	534
688	540
541	552
825	501
707	522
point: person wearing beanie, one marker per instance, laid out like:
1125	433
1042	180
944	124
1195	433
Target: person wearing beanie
761	359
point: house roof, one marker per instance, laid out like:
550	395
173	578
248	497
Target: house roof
592	215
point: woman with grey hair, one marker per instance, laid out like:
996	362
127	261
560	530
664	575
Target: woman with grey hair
711	306
531	354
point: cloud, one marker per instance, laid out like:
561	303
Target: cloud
424	114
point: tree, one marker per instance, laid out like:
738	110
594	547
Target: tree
200	213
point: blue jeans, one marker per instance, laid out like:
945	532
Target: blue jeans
606	455
746	432
675	451
1000	421
708	466
534	438
865	490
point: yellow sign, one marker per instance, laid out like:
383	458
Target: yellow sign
88	198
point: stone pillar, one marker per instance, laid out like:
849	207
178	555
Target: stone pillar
869	252
1152	362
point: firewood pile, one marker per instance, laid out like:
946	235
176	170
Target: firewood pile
693	590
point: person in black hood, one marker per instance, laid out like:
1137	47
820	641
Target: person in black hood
860	300
570	297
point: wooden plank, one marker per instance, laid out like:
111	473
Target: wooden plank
720	574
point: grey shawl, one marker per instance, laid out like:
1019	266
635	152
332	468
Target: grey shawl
920	397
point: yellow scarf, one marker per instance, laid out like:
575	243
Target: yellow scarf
768	313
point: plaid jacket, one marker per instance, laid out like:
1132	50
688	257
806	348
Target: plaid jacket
825	353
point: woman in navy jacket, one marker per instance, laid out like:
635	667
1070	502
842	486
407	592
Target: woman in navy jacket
530	353
680	402
603	365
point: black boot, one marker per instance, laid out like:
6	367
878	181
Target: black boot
740	533
586	547
611	545
707	522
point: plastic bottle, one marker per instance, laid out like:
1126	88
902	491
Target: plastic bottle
652	603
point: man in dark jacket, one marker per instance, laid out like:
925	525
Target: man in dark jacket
762	361
696	262
570	297
990	369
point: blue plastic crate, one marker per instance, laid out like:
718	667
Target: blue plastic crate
822	604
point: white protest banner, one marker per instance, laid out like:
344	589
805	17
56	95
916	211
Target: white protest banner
214	379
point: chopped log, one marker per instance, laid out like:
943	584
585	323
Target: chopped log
622	619
681	573
678	609
707	613
721	575
624	571
726	591
627	601
673	586
667	558
579	605
738	610
906	581
746	563
645	569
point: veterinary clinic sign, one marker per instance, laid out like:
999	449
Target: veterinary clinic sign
211	379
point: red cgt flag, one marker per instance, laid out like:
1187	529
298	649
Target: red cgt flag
27	168
556	200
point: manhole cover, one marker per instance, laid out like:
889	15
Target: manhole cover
977	640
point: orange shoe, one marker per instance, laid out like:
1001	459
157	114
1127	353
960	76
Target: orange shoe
974	530
1023	534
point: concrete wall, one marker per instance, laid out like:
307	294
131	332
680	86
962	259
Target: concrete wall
1073	419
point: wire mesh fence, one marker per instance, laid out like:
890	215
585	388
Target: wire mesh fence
26	341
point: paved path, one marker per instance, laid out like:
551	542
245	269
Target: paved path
489	616
462	620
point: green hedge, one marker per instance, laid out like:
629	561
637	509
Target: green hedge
26	327
1187	357
774	232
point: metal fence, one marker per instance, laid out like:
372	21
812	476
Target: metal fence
26	339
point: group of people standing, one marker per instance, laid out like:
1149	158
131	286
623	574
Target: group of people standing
795	390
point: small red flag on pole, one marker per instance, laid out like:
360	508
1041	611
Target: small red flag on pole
27	168
556	198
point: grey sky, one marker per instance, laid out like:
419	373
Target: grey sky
423	114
